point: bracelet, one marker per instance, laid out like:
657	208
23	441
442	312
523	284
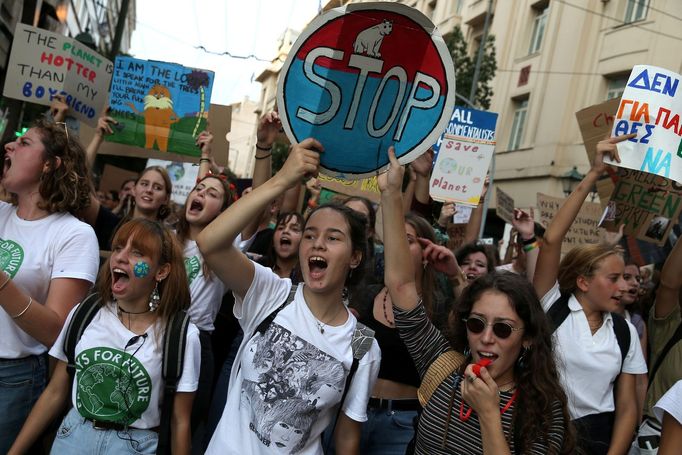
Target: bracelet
265	149
529	241
201	160
312	203
9	277
30	302
531	246
264	156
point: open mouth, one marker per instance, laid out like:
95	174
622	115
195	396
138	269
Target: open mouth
120	280
487	355
471	276
317	266
7	163
196	206
285	241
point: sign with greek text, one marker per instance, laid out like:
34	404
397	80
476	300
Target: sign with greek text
463	156
363	77
158	105
504	205
650	107
182	175
44	64
647	204
585	228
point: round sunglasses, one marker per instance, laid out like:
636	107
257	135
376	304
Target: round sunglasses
502	330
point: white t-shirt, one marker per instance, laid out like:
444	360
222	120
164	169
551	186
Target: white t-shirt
285	384
671	403
118	379
206	292
34	253
588	364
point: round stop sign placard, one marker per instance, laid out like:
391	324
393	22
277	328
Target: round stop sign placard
363	77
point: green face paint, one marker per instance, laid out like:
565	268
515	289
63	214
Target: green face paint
141	269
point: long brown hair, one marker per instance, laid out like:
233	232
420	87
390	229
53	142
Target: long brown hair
156	241
182	230
66	185
537	378
163	211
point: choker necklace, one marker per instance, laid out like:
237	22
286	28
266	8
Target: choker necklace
120	311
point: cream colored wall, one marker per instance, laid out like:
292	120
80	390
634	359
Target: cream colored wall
242	137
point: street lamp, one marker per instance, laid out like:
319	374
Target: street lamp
570	180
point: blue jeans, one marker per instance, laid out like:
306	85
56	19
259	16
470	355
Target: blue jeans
77	436
386	432
21	383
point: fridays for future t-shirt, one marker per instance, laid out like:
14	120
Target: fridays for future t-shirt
118	380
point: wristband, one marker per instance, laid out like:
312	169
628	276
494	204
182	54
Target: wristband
201	160
265	149
531	247
264	156
530	241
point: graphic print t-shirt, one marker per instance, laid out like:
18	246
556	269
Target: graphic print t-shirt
118	380
287	382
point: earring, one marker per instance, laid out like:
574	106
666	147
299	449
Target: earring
521	361
155	298
345	296
424	264
467	352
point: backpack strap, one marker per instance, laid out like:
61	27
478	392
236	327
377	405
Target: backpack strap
622	331
174	347
444	365
677	336
360	344
559	311
82	317
265	323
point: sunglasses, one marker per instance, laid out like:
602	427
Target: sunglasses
501	330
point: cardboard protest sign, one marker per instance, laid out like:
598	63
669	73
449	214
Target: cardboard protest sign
464	154
44	64
159	105
504	207
182	175
367	187
363	77
219	117
647	204
650	106
583	230
595	124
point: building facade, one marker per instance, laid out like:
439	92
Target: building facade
242	137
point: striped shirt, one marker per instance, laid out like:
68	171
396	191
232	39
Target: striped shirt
425	343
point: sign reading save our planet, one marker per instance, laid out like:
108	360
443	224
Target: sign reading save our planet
650	106
363	77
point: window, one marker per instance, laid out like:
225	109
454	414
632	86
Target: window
636	10
520	110
539	24
615	87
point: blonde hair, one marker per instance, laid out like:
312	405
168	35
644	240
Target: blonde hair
583	260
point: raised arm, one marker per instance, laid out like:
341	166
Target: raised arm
473	227
667	296
205	143
525	225
216	240
547	267
398	269
89	215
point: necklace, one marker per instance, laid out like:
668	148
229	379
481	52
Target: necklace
390	322
595	325
321	325
120	312
464	416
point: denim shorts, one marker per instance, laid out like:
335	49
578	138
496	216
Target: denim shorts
21	383
76	435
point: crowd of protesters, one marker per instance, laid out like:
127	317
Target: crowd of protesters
316	327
